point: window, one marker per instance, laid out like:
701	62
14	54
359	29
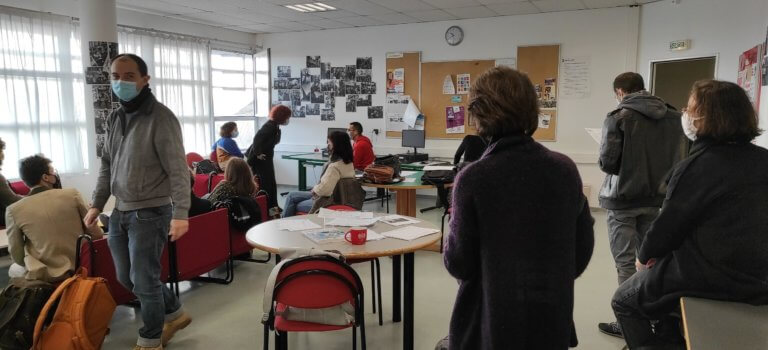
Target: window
234	93
41	91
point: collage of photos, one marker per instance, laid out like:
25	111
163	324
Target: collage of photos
97	75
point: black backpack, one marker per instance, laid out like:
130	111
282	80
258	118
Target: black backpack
438	177
205	166
244	212
19	308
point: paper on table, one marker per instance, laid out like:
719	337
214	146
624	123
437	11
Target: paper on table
373	236
325	235
334	214
409	179
596	133
297	225
352	222
438	167
407	173
398	220
410	233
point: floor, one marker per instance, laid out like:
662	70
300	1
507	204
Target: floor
228	317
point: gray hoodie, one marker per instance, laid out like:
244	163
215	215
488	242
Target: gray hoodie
642	140
143	162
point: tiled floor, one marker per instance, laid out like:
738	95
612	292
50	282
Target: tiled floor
228	317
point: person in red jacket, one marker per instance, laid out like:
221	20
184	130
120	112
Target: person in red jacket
363	149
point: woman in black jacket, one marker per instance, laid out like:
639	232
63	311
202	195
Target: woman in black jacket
710	239
262	151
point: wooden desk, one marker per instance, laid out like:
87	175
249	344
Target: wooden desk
268	237
406	192
717	325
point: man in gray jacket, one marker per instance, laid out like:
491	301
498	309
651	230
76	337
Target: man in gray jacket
642	140
143	166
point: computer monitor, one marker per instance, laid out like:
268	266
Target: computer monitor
332	130
413	138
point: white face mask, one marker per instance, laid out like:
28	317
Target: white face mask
688	127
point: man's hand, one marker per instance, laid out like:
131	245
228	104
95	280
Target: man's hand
640	267
91	217
178	229
261	157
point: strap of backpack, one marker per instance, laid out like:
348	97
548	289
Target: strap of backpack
81	272
210	181
79	246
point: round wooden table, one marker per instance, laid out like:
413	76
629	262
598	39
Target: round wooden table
406	192
268	237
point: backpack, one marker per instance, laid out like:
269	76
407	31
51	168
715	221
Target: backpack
438	177
379	174
390	161
244	212
205	166
84	310
18	307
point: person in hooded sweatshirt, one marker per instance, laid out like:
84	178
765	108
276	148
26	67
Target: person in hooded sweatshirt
642	141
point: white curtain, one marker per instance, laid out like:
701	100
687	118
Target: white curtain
41	91
179	70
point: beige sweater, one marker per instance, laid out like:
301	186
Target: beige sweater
333	172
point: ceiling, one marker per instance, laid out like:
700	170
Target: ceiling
269	16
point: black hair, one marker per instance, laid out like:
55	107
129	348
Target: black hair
629	82
357	126
33	168
342	147
139	62
2	148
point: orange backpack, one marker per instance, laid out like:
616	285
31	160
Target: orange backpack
82	317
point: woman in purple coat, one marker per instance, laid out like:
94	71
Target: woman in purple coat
521	230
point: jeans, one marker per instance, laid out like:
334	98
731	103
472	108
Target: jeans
640	330
298	201
626	230
136	239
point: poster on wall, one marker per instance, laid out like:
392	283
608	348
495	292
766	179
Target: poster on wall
395	109
575	74
395	81
448	88
750	74
454	120
462	84
100	55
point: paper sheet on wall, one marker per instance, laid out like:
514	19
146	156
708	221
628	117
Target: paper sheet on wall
454	120
462	84
575	77
395	81
508	62
544	120
411	114
395	109
448	88
595	133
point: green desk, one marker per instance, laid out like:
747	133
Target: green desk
317	159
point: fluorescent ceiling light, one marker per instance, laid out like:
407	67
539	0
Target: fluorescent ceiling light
311	7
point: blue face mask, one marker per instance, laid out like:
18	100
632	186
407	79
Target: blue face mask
235	134
125	90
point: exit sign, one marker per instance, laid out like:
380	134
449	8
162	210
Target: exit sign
680	45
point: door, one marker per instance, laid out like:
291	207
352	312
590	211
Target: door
672	80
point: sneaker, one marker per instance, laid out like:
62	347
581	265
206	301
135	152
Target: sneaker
612	329
146	348
170	328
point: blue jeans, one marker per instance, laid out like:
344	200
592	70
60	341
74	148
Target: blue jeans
298	201
136	239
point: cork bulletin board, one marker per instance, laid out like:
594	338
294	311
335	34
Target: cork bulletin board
435	102
541	63
411	64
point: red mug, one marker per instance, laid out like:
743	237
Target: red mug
357	235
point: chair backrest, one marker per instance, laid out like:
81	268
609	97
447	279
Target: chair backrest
193	157
348	192
214	157
19	187
204	247
315	282
215	179
339	207
200	186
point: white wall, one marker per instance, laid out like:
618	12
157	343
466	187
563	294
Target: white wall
608	36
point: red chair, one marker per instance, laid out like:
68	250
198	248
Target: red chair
374	276
97	258
314	282
193	157
214	158
19	187
203	248
200	187
215	179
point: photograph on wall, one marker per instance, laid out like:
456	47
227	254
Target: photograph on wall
544	120
395	81
368	88
115	105
351	103
352	88
364	101
329	99
317	94
294	83
100	139
100	119
338	72
96	75
299	112
283	95
295	97
328	115
364	63
313	109
315	73
325	70
313	61
454	120
283	71
328	85
363	75
102	96
280	83
349	74
342	90
376	112
462	84
99	53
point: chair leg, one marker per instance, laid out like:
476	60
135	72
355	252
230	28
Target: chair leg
362	334
378	285
386	191
373	288
354	338
266	337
